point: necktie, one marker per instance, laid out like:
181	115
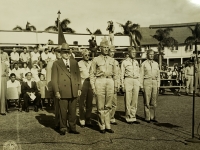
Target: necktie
151	64
67	65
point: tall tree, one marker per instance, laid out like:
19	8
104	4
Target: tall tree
131	29
164	40
194	38
64	25
28	27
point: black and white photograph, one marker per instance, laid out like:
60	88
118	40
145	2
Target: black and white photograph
99	74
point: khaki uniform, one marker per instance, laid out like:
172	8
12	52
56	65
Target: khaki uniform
103	79
189	72
85	101
130	81
150	82
114	101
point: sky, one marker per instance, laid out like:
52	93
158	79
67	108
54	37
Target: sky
94	14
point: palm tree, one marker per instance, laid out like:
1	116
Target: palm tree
64	25
191	40
165	40
29	27
131	29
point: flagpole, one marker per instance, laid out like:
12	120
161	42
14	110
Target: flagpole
58	21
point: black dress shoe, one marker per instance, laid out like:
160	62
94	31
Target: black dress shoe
102	131
88	125
113	123
82	126
109	131
36	109
148	121
135	122
3	114
56	128
62	132
74	132
154	120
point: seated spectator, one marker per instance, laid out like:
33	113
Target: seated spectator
35	56
24	56
30	93
52	54
44	71
35	72
4	57
13	83
45	55
169	73
17	71
25	70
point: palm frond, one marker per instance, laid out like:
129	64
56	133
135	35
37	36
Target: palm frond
88	30
157	37
189	40
137	34
68	30
65	21
51	28
32	28
17	28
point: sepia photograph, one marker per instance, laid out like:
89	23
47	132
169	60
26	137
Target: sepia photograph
99	74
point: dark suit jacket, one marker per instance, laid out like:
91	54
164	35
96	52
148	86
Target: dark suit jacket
25	87
65	82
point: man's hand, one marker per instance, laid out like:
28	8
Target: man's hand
58	95
79	92
94	91
142	90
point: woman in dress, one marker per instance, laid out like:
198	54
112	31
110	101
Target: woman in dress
4	78
35	71
41	85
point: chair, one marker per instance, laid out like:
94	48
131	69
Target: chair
12	97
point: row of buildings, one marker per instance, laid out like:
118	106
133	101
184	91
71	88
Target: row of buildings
9	39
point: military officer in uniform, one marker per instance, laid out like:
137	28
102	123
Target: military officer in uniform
130	78
85	101
150	83
114	101
103	80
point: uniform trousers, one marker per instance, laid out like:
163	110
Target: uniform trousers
104	96
132	87
189	84
150	98
85	102
67	107
113	109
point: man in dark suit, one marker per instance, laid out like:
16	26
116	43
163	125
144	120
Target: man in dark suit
29	88
66	83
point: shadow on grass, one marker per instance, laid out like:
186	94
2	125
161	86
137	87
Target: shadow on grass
167	125
47	121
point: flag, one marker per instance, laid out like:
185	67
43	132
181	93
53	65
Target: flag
61	38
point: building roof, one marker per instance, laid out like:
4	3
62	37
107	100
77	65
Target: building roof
178	33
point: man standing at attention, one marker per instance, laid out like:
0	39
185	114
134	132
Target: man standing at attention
85	101
114	101
103	79
66	83
150	83
130	78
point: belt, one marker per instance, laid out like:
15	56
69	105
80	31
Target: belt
190	74
132	77
104	77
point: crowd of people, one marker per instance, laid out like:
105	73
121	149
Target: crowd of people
56	71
